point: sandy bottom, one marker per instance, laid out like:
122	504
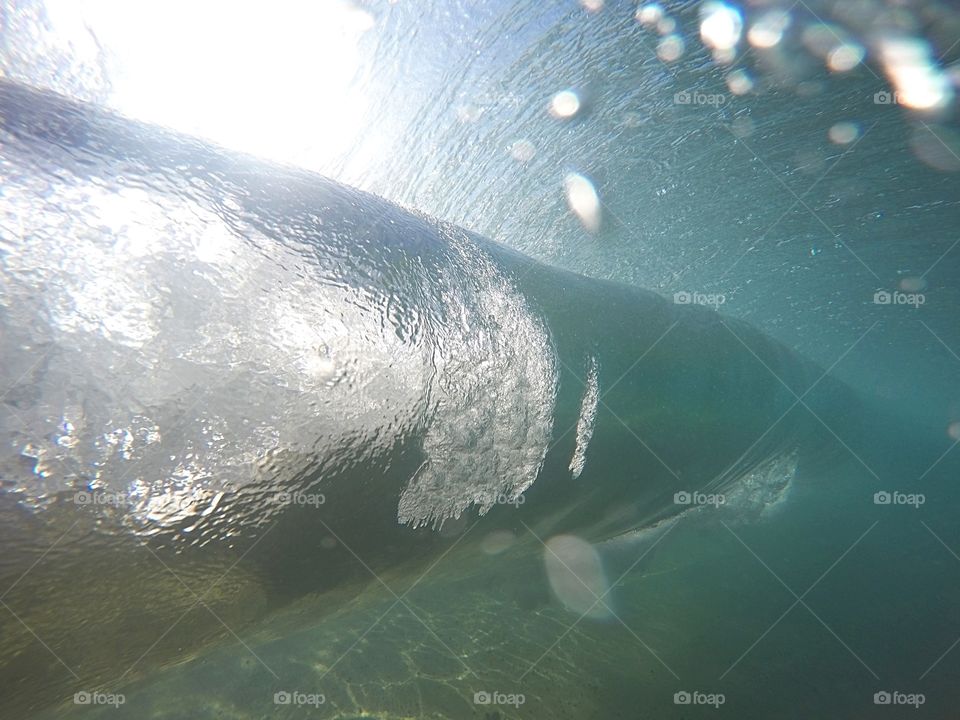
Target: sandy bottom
807	612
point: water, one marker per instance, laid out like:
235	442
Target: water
253	455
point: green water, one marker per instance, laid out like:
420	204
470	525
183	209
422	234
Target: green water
802	596
713	608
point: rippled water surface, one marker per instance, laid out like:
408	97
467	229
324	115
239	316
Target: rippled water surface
637	399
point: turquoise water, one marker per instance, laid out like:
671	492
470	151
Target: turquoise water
783	194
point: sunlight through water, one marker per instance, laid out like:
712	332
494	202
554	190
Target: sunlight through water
253	77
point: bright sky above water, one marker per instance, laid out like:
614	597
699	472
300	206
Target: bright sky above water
256	77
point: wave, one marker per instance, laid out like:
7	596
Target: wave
227	361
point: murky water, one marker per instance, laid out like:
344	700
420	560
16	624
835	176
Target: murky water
273	448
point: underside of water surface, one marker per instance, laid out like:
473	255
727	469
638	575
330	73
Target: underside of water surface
479	359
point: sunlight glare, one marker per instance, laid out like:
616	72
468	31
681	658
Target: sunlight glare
275	80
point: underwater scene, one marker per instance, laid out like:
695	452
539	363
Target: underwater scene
494	359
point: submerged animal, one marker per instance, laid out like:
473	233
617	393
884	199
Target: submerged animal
270	384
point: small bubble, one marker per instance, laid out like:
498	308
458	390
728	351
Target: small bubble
767	31
953	430
496	542
583	200
912	284
724	56
666	25
720	25
843	133
739	82
522	151
670	48
565	104
649	14
915	73
845	57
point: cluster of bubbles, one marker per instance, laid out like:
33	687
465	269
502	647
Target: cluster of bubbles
884	40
